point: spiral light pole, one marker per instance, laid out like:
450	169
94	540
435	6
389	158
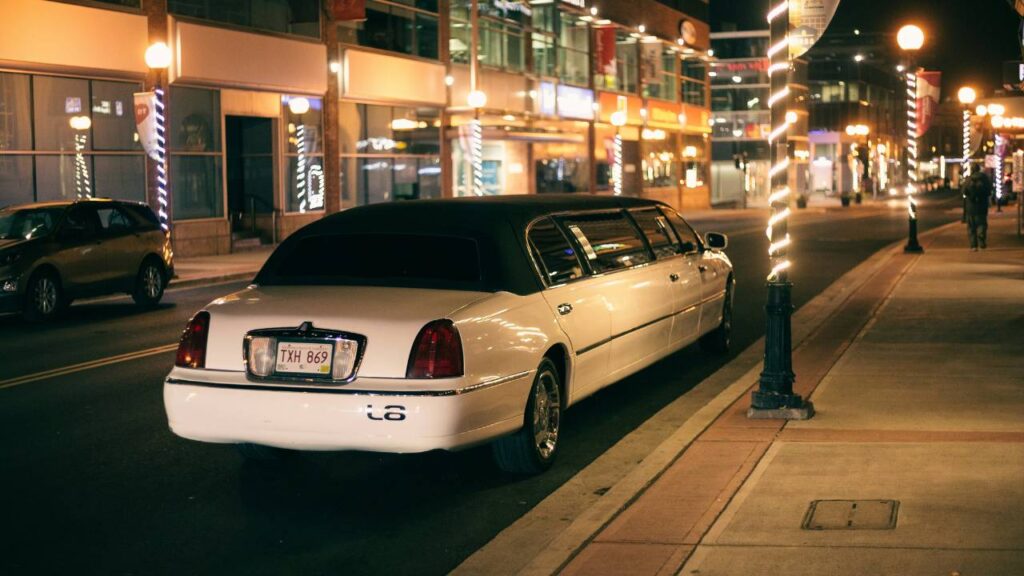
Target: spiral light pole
966	95
910	39
774	397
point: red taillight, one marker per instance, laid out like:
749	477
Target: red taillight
437	352
192	348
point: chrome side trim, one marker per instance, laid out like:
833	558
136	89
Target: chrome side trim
320	390
595	345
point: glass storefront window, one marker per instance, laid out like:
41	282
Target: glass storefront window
501	46
113	116
42	157
196	157
573	50
660	71
695	161
625	62
195	117
694	82
659	162
298	17
55	101
543	54
196	186
404	26
15	119
306	187
389	153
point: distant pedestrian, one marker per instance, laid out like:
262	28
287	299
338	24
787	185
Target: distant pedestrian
977	191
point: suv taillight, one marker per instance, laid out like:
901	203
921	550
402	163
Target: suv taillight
192	347
437	352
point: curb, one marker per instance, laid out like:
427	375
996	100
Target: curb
192	282
576	512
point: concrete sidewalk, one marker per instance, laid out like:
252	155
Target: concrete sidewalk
222	268
918	383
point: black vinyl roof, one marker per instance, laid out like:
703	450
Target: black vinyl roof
497	223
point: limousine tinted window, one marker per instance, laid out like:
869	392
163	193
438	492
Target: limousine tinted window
609	241
659	233
687	237
403	260
555	257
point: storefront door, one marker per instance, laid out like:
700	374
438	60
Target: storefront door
250	176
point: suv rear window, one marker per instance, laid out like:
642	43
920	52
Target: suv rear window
400	260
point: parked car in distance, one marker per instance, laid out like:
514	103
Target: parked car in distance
54	252
443	324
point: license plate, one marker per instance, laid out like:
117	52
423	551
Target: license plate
304	358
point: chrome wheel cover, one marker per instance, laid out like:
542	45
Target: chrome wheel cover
547	411
151	281
45	296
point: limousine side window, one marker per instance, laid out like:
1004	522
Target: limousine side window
688	242
659	233
554	256
610	241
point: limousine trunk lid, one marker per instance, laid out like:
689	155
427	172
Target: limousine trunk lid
389	318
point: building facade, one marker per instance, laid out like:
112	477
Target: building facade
280	111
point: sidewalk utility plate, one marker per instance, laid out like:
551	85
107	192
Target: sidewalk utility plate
851	515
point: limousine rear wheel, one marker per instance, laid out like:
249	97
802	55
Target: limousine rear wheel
532	449
717	341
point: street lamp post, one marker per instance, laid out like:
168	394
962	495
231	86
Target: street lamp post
966	95
910	39
856	131
774	397
158	58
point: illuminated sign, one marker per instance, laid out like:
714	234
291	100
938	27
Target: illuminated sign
546	99
575	102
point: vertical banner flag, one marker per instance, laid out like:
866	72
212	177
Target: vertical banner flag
604	47
342	10
808	20
145	122
928	85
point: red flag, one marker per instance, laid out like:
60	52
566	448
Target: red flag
928	85
604	44
348	9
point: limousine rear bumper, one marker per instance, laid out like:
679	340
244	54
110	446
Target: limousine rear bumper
360	416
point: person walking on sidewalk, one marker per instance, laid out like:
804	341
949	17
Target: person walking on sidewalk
977	193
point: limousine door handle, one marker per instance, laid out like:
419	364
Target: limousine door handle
673	277
564	309
702	268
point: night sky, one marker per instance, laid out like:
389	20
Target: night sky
965	39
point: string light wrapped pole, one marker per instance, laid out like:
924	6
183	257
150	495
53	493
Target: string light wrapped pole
910	39
774	397
298	106
966	95
618	120
158	58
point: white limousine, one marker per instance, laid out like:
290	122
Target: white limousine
443	324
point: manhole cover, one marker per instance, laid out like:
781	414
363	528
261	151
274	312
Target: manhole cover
851	515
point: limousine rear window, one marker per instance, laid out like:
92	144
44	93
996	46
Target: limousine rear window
402	260
555	258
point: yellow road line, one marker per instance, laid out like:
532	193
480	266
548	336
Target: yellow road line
19	380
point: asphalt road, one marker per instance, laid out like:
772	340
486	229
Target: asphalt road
92	481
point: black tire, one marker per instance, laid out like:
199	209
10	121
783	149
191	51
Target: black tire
533	448
718	340
263	454
44	297
149	283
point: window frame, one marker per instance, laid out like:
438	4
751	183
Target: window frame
668	212
537	261
560	218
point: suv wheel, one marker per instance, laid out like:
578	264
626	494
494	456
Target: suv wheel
43	297
149	284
